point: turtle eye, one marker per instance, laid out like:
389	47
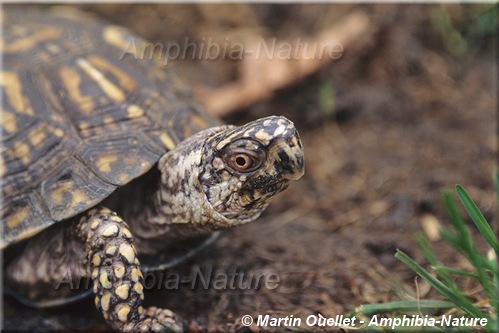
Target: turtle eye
244	156
242	162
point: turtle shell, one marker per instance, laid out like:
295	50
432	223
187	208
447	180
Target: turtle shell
86	108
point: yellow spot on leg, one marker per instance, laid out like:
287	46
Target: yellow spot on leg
104	280
96	260
127	233
127	252
135	275
111	250
95	273
119	271
123	291
123	312
95	224
110	231
104	302
138	288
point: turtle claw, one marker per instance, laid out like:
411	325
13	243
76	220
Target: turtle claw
159	320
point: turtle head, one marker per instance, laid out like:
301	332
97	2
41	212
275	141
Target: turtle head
244	167
226	175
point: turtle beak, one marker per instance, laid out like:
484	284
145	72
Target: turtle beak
290	156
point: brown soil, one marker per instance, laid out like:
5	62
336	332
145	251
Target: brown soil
385	128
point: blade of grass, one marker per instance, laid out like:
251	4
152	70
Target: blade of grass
457	220
404	306
478	218
455	297
456	272
434	262
454	240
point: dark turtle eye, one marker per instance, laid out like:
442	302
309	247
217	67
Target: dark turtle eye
242	162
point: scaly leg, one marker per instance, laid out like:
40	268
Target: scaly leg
113	265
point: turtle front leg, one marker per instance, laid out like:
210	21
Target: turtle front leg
113	265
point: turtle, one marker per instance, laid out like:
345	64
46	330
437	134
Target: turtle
107	159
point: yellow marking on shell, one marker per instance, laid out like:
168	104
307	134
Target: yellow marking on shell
105	301
125	81
135	111
14	92
53	48
60	190
138	288
104	162
96	260
83	125
109	88
111	250
9	122
32	41
3	168
140	310
119	271
96	299
108	120
58	132
111	230
127	252
95	273
123	177
135	274
167	141
95	288
127	233
123	291
71	81
18	217
37	137
22	151
113	35
123	312
104	280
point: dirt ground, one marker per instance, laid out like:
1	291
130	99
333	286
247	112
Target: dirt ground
406	111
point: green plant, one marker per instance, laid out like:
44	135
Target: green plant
485	272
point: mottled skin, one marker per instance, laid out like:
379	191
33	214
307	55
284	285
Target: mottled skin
219	178
106	159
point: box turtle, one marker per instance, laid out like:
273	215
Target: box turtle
107	159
